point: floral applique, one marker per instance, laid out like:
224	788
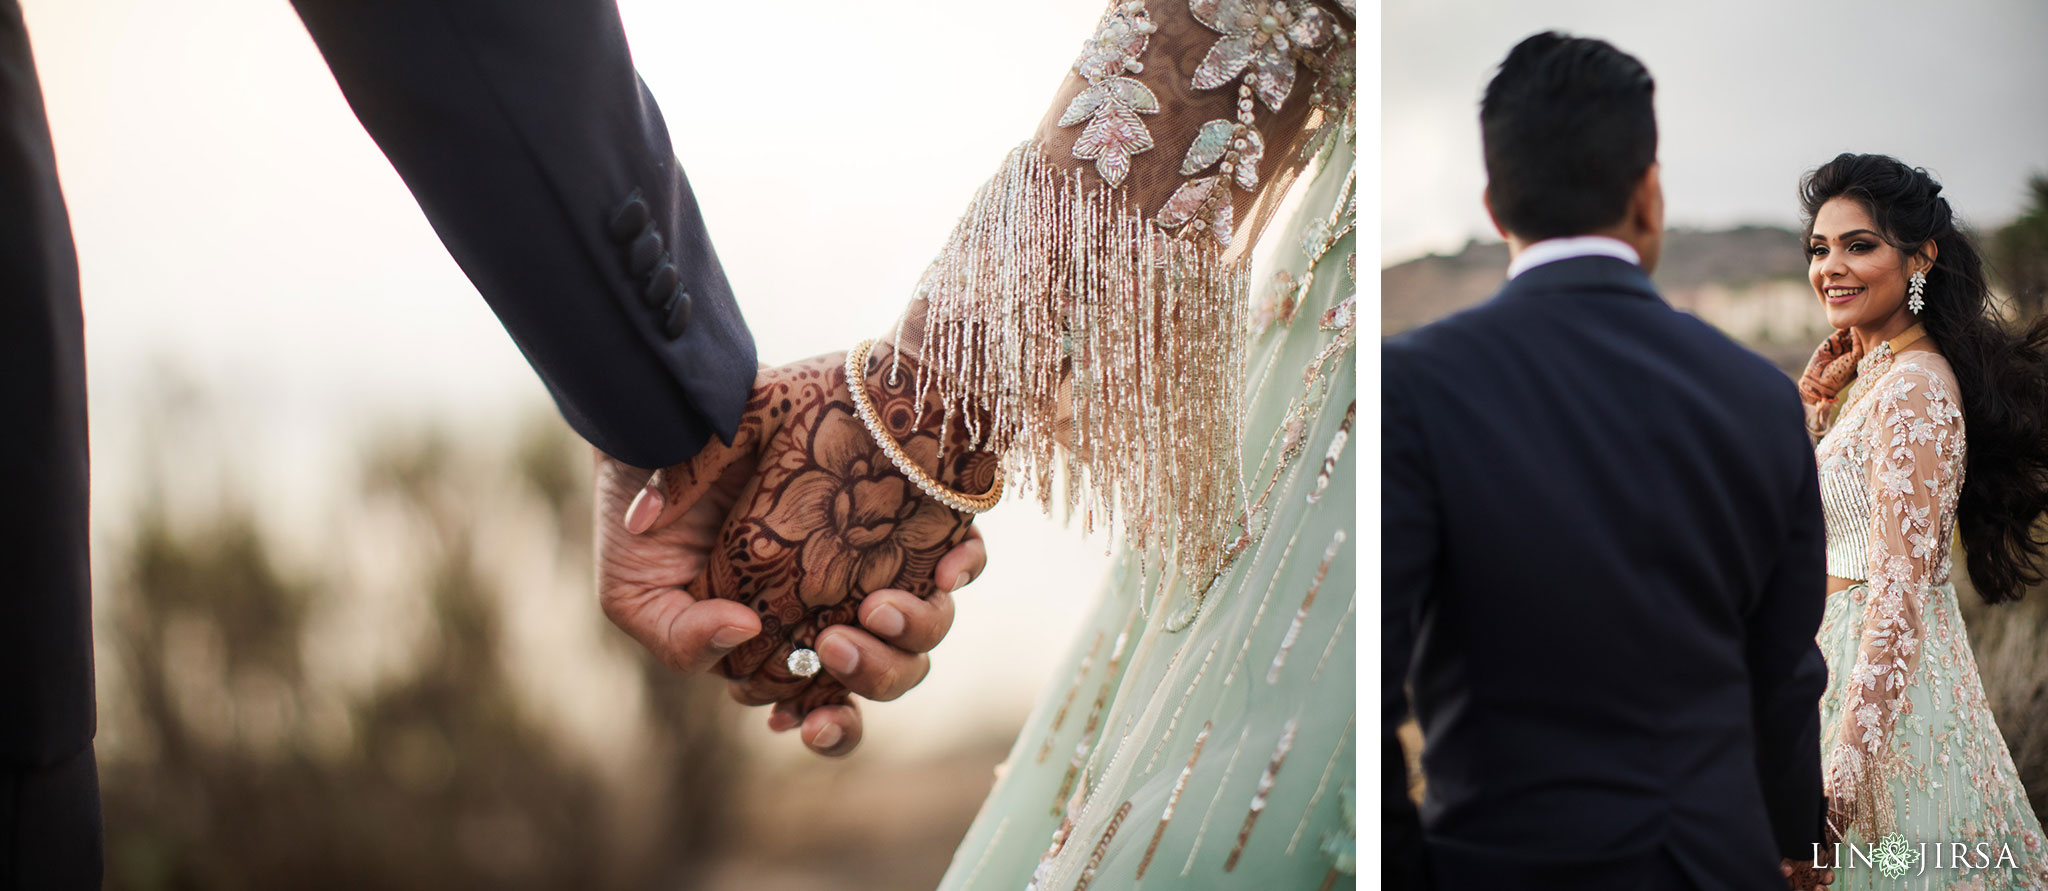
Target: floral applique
1112	102
1262	40
1260	35
1276	303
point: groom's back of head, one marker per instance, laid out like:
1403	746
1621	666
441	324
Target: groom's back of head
1569	128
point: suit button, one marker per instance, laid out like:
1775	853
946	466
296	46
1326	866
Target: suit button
630	219
678	314
646	252
659	285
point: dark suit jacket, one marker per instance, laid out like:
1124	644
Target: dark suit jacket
544	165
1604	571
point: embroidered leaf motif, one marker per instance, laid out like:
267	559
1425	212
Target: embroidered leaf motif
1113	167
1111	102
1315	238
1111	138
1276	77
1224	61
1219	221
1186	202
1083	106
1219	15
1190	202
1339	317
1248	160
1134	95
1262	36
1312	27
1209	145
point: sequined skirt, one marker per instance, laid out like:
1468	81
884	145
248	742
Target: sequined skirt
1952	780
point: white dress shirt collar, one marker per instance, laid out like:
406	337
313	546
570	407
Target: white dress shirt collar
1551	250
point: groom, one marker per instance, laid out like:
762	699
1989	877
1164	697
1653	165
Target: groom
1602	539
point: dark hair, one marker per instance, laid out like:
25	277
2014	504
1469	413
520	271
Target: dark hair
1568	128
2003	375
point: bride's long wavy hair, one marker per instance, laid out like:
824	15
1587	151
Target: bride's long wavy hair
2002	370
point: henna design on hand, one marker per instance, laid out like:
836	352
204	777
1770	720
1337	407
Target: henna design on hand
828	519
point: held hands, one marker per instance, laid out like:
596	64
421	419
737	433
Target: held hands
788	536
1802	875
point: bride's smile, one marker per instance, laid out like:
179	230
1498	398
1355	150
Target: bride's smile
1859	277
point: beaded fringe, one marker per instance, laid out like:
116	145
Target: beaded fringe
1083	337
1872	812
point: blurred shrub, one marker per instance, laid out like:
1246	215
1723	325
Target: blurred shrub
235	769
2019	252
2011	644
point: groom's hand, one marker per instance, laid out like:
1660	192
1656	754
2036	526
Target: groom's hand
640	575
655	531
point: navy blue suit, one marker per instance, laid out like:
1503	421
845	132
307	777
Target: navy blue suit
545	167
1603	570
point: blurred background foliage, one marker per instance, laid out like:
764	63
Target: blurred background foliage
2019	252
237	767
368	715
2011	644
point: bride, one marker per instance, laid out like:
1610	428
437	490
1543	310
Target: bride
1091	330
1909	746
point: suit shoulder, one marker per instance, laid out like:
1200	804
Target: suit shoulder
1431	352
1452	332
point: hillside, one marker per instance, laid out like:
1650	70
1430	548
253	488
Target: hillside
1748	281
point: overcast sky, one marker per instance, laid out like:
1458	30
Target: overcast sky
1750	94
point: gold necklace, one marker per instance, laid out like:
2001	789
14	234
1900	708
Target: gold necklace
1905	339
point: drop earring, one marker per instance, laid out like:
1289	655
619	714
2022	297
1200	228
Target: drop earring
1916	293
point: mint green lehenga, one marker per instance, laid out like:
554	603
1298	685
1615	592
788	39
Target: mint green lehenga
1910	748
1200	733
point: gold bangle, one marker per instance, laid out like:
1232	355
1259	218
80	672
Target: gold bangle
856	381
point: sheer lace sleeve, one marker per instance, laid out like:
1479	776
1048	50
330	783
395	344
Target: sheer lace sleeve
1089	310
1915	440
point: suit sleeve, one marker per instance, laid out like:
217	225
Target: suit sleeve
545	167
1408	545
1787	672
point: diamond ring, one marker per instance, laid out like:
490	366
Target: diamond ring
803	662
